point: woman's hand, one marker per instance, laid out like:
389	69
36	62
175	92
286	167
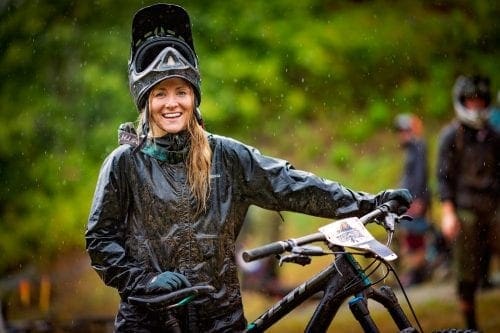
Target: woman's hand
167	282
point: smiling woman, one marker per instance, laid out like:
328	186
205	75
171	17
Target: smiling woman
170	202
171	103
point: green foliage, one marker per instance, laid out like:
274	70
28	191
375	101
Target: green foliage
311	81
341	155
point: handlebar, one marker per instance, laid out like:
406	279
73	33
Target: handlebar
279	247
175	298
391	206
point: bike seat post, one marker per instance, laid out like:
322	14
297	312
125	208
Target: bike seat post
359	308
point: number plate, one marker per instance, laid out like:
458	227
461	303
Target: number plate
350	232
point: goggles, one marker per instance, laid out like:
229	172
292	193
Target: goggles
150	50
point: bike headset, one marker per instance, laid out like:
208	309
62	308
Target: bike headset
475	86
161	48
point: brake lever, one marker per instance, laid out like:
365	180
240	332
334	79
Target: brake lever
295	259
390	221
406	218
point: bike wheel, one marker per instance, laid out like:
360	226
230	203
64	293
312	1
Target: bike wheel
455	330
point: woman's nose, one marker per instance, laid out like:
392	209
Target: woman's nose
170	102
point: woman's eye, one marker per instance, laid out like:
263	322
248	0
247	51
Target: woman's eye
182	93
158	93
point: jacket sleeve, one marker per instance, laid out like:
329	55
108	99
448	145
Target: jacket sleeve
446	164
106	228
275	184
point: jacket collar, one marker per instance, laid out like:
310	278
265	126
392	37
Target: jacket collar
171	148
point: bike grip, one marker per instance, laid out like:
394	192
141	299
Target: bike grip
265	251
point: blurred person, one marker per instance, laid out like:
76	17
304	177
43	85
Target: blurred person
414	178
469	186
171	199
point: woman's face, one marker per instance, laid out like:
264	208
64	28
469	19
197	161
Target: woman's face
171	106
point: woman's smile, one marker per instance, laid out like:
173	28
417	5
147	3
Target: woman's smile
171	105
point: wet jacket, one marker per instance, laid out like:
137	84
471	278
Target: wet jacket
469	167
143	221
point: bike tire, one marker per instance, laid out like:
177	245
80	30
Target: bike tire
456	330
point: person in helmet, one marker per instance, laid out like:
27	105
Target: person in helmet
171	199
413	234
468	174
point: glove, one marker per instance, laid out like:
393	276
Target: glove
402	196
166	282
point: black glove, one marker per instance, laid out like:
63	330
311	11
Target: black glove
402	196
166	282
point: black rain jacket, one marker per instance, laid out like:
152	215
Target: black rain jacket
468	168
143	222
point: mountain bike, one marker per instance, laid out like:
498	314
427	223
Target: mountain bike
344	278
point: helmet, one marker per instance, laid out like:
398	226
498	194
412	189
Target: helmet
402	122
471	87
162	47
408	122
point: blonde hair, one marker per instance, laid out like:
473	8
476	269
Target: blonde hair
198	162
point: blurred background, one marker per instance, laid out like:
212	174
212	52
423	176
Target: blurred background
315	82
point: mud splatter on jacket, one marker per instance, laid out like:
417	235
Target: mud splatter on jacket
142	221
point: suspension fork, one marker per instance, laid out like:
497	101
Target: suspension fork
385	296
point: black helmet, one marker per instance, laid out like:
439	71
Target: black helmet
162	47
475	86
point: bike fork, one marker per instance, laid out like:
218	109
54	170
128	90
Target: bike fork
359	309
385	296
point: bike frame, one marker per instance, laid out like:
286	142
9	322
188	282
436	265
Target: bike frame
342	279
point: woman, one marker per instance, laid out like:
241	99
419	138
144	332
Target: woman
170	201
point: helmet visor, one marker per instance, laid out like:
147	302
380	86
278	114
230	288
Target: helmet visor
169	62
149	51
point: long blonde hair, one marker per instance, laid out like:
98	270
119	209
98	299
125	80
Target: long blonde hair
198	162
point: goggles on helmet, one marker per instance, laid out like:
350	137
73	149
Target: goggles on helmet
158	59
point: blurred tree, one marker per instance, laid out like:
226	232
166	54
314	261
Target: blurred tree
343	68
